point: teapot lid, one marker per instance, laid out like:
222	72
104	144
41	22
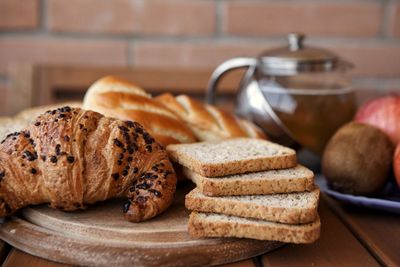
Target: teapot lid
297	58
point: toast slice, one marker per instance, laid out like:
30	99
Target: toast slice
292	208
217	225
232	156
295	179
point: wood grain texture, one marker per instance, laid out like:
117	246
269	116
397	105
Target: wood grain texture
4	250
100	236
245	263
336	247
20	258
378	231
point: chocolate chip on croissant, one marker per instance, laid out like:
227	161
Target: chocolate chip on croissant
71	157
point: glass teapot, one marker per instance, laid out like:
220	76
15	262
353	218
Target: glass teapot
296	94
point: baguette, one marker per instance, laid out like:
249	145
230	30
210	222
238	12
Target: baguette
170	120
117	98
208	122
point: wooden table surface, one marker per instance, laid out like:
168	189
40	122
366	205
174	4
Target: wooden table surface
350	237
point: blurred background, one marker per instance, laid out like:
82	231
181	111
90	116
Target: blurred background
51	50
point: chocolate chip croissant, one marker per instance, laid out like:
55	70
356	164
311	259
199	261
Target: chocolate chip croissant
71	158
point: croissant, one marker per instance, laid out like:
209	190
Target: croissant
71	158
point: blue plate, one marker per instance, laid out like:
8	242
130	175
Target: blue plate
389	199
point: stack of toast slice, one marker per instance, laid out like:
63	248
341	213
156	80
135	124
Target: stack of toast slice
249	188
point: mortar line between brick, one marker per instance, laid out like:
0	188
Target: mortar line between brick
278	39
385	23
269	39
307	1
219	18
43	16
130	53
102	36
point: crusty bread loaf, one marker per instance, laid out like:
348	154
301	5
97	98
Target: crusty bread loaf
297	179
207	122
293	208
10	125
232	156
28	115
170	120
218	225
123	100
23	118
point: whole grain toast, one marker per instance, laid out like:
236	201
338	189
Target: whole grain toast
295	179
218	225
232	156
291	208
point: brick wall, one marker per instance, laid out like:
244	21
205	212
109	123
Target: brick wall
198	33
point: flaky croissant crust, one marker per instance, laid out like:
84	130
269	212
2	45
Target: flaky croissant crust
71	157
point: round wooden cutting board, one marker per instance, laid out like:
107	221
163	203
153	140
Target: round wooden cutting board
100	236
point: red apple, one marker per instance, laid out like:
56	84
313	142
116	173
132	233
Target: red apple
384	113
396	164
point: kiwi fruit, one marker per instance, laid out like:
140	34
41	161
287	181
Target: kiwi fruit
357	159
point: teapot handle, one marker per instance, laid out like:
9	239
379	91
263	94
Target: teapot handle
231	64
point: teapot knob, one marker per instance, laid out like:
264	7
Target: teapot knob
295	41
